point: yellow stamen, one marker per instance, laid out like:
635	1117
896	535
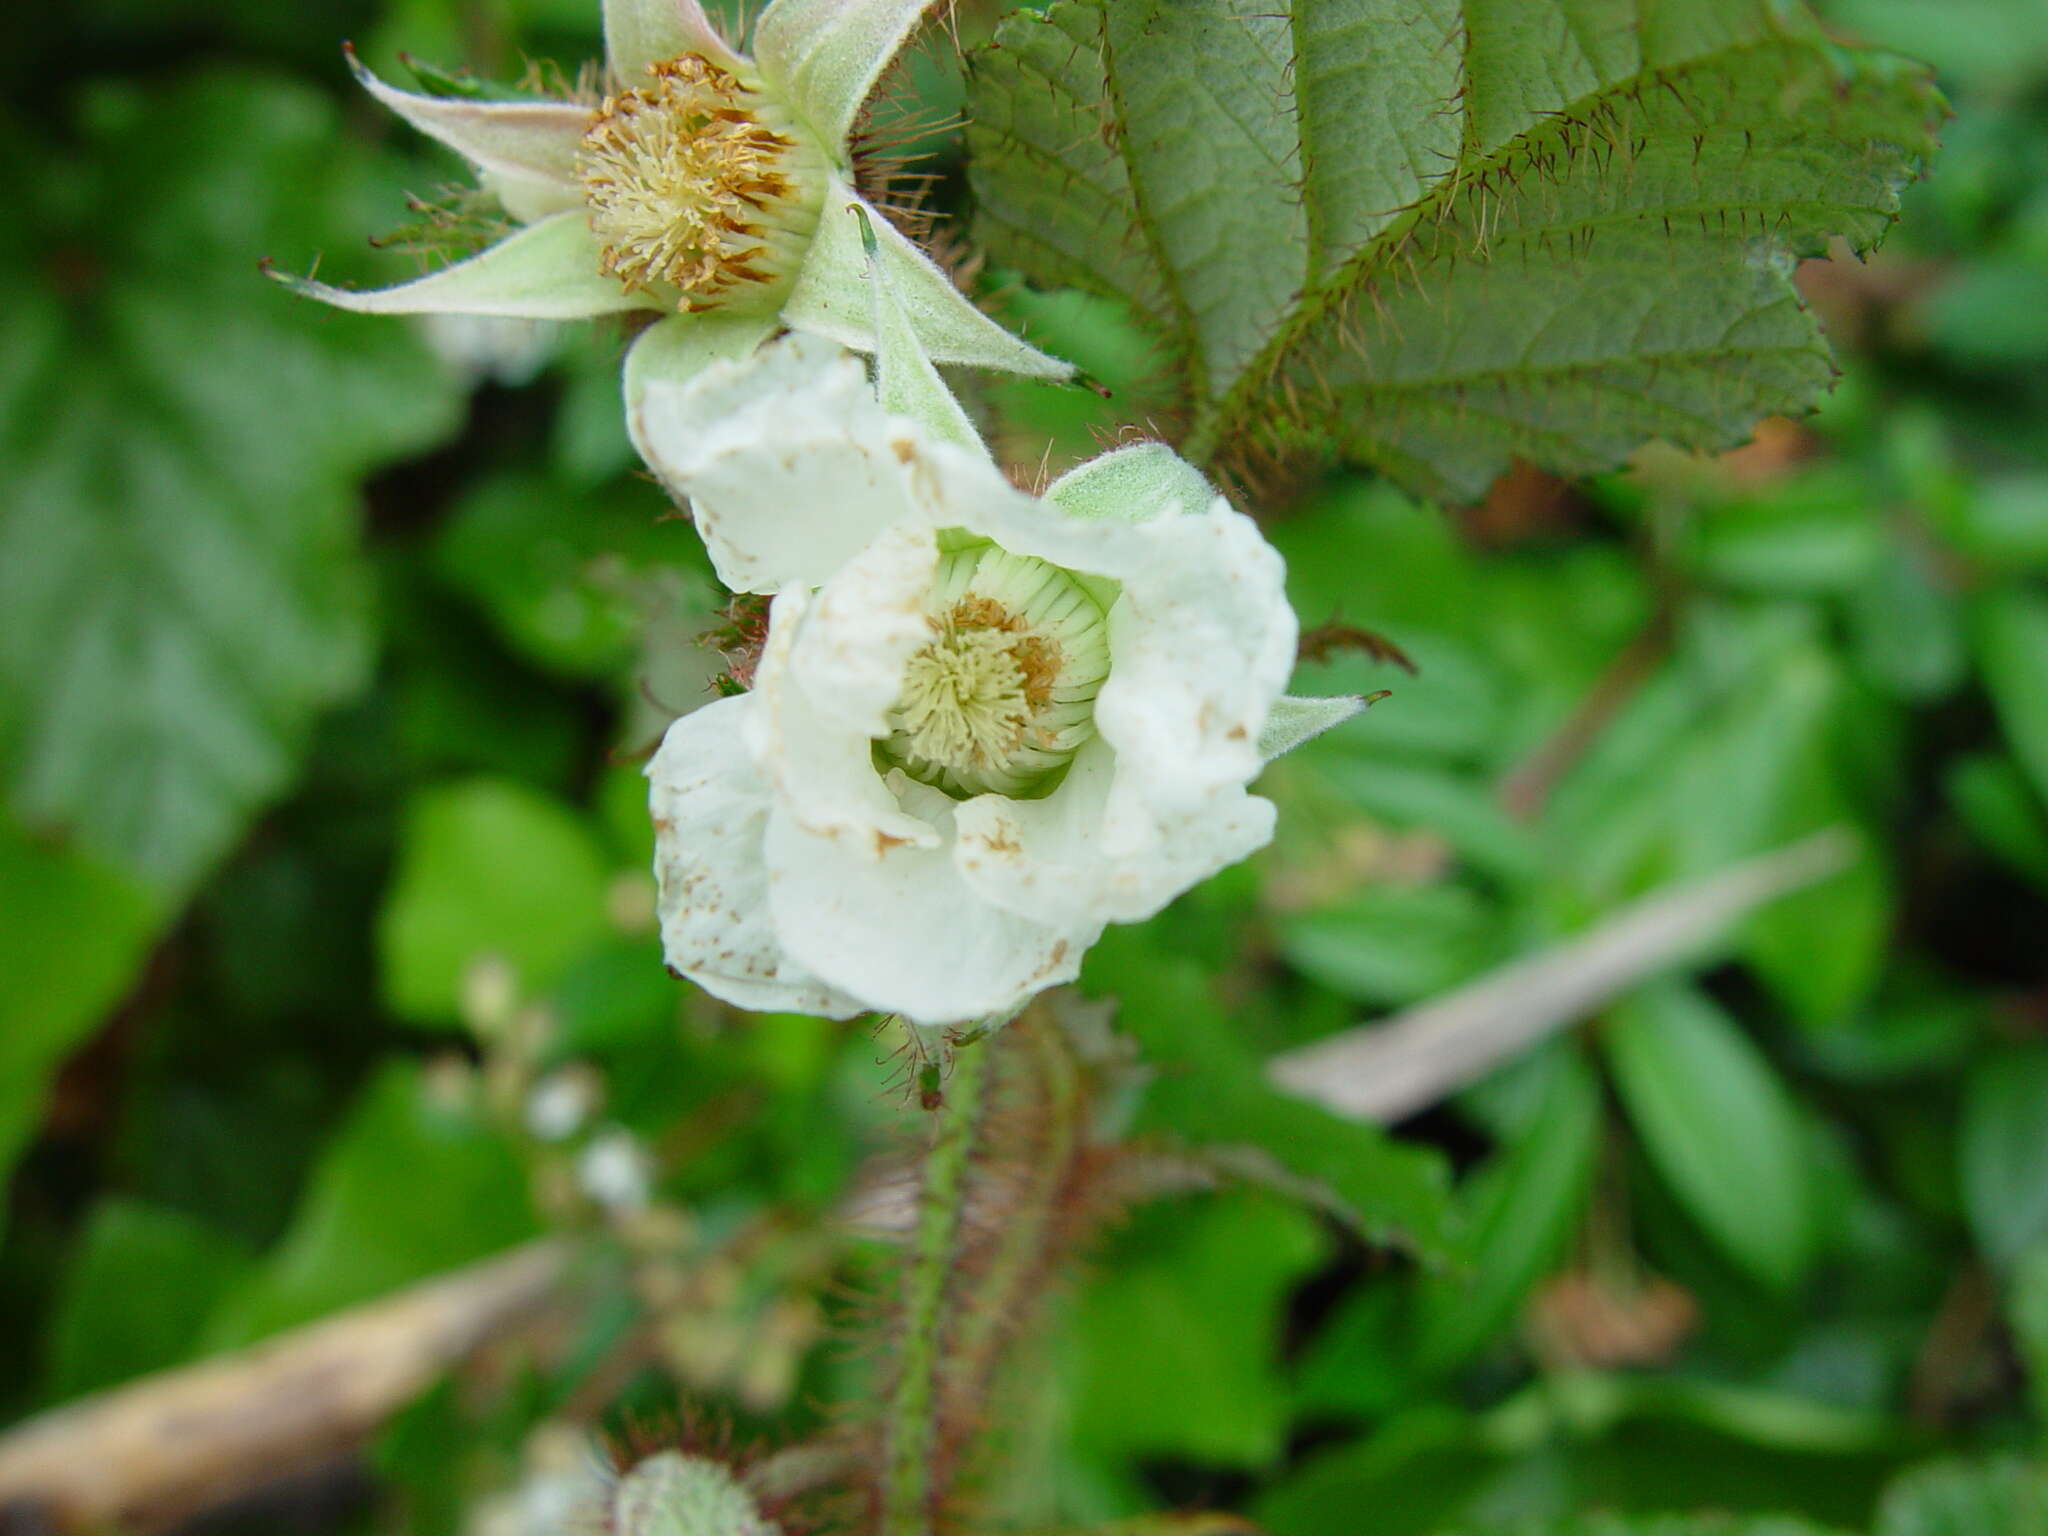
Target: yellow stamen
1003	694
697	184
963	704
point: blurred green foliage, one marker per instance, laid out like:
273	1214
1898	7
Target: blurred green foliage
329	650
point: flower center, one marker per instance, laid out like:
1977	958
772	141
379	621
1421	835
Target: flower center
1003	694
698	187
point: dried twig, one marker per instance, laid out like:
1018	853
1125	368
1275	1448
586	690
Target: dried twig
1389	1070
147	1455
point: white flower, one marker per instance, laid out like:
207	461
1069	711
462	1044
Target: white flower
709	186
983	725
616	1172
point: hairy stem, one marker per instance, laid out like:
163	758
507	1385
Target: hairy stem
911	1430
1026	1248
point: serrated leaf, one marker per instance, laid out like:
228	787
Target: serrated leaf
1055	194
181	445
1449	234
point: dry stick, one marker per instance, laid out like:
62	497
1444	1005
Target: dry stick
1523	791
1389	1070
145	1456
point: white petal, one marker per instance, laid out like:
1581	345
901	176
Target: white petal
638	33
527	148
1201	644
830	297
824	56
820	761
710	807
1293	721
1132	485
1084	852
547	271
789	465
673	351
905	933
863	627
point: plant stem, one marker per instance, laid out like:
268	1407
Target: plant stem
1026	1247
911	1431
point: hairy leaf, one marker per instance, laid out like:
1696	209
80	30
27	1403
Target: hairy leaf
1449	234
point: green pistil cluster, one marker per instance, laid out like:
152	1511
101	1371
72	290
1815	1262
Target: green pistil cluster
1003	695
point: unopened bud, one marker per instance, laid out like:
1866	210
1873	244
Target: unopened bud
670	1494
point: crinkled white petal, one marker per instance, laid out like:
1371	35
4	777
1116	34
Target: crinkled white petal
831	299
1201	643
547	271
638	33
789	465
672	352
527	148
818	750
904	932
824	56
711	807
1085	851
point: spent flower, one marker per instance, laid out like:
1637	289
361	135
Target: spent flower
713	188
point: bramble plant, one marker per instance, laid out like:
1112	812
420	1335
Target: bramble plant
1005	652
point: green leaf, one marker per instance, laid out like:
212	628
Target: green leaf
1524	1204
568	579
74	934
182	443
1451	234
412	1185
1054	195
2003	1154
1995	801
487	870
1955	1498
2012	648
1524	1208
1599	1524
1718	1124
1178	1344
1741	745
138	1295
2026	1307
1396	943
1210	1093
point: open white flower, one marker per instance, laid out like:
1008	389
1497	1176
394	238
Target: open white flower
983	725
709	186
